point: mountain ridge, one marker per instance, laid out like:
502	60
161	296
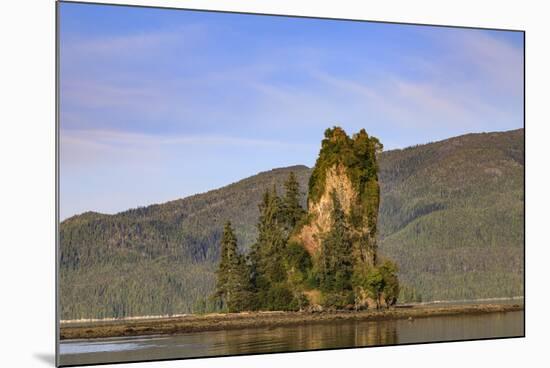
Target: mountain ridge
298	166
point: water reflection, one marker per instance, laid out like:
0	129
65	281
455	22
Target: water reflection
292	338
307	337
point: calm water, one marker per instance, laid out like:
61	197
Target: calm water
315	336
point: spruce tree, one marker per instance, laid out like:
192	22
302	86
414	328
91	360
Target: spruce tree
336	252
389	269
293	211
233	278
268	252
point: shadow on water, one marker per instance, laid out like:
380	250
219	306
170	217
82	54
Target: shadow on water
45	358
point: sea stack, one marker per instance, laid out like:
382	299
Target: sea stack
346	168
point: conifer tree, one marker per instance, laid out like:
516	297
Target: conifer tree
292	208
268	252
233	278
389	269
336	252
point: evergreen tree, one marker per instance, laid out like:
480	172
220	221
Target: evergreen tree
380	282
390	290
336	252
267	253
374	284
292	209
233	283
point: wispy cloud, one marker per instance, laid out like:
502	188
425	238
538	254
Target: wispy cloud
496	60
132	44
224	97
123	139
101	145
97	94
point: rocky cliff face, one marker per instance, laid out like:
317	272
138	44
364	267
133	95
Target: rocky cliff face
337	181
346	167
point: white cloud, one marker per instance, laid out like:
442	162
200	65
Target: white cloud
122	139
476	82
131	45
100	145
500	61
97	94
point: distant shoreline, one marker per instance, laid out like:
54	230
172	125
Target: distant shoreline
216	322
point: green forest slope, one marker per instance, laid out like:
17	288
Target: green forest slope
158	259
451	216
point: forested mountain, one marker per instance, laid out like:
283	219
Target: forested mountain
158	259
451	216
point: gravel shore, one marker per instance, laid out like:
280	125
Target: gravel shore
213	322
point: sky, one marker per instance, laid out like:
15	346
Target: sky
159	104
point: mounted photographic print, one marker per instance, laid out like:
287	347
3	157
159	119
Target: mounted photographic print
233	183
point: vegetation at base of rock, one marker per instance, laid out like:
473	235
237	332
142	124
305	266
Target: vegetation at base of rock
275	269
451	216
380	282
280	272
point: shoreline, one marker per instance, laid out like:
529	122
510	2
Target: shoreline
434	303
218	321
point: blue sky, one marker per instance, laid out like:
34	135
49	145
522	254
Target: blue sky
161	104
